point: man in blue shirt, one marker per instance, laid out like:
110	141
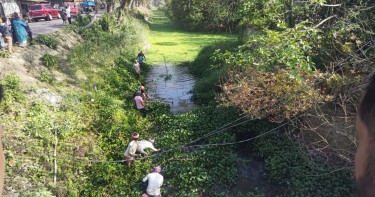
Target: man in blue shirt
19	30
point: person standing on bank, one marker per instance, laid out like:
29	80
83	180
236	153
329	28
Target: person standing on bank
137	68
155	181
141	57
29	32
143	93
130	151
145	144
19	29
140	103
4	31
67	11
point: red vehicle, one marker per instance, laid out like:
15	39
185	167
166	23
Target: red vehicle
43	11
74	8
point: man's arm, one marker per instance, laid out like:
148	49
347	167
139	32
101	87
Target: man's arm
161	181
153	148
145	179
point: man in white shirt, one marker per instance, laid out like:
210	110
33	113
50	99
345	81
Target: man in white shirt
145	144
130	151
67	11
155	181
137	68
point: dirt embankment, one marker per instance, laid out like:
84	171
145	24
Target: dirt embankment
26	62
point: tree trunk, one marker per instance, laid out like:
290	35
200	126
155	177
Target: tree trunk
110	5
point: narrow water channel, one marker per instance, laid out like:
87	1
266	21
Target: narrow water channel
171	84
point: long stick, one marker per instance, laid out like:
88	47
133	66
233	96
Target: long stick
55	161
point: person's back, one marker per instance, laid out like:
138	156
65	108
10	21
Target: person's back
139	102
20	31
155	181
140	59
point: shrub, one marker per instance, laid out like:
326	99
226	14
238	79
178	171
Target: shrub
12	87
82	20
46	76
49	61
47	40
4	54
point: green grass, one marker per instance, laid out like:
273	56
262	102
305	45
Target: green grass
175	45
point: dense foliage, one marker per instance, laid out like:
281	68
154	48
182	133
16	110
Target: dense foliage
203	15
288	165
47	40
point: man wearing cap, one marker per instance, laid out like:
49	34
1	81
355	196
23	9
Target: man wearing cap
155	180
145	144
130	151
140	103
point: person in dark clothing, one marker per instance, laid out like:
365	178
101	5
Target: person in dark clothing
141	58
27	28
4	31
63	16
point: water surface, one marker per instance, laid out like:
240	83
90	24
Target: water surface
171	84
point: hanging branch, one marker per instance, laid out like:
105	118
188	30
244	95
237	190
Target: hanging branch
323	21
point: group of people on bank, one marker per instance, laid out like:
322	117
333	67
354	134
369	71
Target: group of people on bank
14	31
137	148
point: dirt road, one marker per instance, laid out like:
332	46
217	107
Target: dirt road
48	27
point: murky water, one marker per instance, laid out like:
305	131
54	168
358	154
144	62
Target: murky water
171	84
252	177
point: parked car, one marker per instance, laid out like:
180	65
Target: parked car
74	8
43	11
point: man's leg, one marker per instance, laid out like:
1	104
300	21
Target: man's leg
70	20
30	35
127	161
9	41
144	113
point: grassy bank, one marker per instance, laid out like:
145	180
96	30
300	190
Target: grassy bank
176	45
81	103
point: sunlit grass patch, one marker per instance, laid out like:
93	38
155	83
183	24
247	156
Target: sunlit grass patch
173	45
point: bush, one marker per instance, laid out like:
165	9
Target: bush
82	20
12	88
49	61
46	76
47	40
